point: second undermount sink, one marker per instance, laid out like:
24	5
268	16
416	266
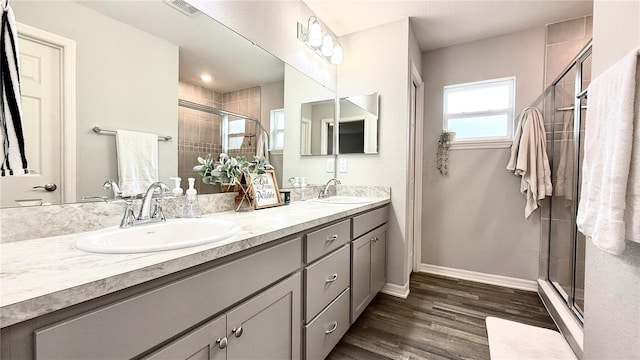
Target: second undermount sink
173	234
344	200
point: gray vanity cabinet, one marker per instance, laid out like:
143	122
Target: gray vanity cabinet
267	326
264	327
204	343
368	259
327	277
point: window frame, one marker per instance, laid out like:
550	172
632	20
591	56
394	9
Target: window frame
273	131
489	141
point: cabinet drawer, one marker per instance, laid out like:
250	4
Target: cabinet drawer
160	314
325	280
327	329
369	221
327	239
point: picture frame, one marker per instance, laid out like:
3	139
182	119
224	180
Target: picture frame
264	189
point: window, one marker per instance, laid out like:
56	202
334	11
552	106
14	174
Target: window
277	130
236	133
480	113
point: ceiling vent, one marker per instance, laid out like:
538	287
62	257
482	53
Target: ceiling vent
183	7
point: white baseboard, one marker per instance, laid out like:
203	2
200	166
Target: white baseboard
401	291
514	283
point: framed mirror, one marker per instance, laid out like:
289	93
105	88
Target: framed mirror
358	124
357	127
130	70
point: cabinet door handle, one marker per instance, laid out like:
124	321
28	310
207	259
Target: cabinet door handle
332	238
222	343
332	278
375	239
333	328
238	331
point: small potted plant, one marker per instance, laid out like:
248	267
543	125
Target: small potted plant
230	173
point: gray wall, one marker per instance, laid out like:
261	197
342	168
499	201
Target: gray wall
612	289
474	219
272	26
126	79
377	60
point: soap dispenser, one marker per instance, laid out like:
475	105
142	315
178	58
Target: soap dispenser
303	187
177	189
191	207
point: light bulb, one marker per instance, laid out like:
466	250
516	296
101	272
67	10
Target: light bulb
315	34
206	77
327	46
336	58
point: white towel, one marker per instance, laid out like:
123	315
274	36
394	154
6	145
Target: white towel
564	166
529	159
14	160
609	208
137	161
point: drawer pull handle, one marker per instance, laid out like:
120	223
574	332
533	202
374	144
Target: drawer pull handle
238	331
332	238
222	343
332	278
333	328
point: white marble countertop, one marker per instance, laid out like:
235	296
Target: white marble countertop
44	275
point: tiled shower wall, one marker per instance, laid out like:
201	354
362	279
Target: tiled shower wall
199	132
564	40
245	102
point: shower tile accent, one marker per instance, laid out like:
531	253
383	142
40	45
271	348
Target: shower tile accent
564	40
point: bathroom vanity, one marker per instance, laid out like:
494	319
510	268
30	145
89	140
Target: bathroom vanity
288	286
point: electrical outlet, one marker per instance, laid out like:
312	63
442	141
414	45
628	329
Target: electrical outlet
342	164
330	164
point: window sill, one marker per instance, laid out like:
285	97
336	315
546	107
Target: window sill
470	145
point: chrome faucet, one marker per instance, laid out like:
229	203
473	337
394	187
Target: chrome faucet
145	216
113	186
324	193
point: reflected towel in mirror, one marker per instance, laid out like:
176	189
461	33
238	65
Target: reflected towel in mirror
137	161
14	158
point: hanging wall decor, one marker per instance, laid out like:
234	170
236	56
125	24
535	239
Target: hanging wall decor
442	156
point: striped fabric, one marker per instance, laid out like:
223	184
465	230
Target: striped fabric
14	160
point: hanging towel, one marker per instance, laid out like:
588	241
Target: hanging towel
137	161
564	167
609	208
529	159
14	159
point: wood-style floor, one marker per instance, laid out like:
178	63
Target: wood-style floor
443	318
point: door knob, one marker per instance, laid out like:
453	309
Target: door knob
47	187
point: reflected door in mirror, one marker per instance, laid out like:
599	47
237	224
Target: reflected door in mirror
41	111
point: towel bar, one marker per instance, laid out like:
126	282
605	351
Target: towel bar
99	130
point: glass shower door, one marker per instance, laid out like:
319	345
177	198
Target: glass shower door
566	266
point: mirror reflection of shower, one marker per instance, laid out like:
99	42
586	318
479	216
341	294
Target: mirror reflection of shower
214	123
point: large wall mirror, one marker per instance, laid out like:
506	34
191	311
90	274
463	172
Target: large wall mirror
133	61
357	127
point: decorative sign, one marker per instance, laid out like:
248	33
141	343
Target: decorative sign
265	190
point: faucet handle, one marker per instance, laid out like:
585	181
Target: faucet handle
129	217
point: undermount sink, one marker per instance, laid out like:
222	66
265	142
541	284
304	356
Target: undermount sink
170	235
344	200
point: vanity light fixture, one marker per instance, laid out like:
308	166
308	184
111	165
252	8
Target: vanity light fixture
321	40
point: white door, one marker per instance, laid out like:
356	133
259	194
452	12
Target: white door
40	74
